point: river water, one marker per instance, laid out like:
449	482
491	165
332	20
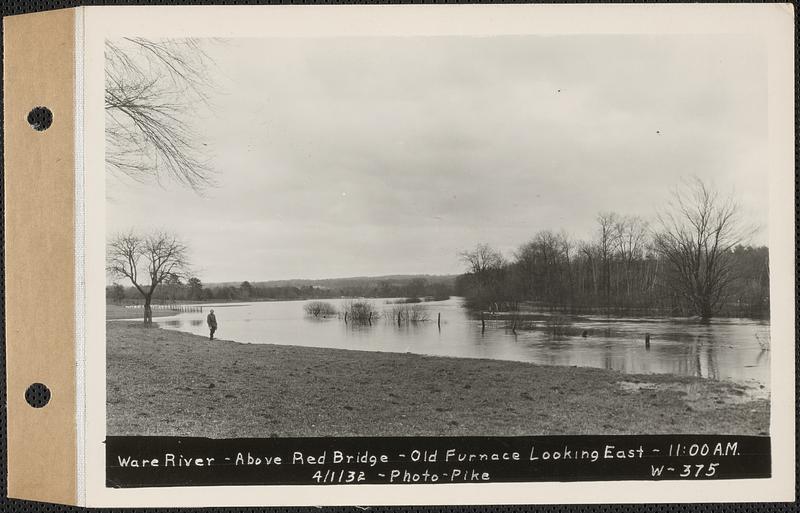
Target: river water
724	349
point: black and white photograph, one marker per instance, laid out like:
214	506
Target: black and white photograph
522	248
437	236
425	256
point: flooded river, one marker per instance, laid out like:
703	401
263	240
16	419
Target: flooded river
724	349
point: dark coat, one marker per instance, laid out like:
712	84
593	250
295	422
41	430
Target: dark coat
212	321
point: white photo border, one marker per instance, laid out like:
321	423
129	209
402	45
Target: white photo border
772	22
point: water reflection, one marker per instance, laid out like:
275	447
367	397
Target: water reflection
179	323
725	349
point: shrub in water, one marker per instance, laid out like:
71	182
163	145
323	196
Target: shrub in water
319	309
361	312
407	313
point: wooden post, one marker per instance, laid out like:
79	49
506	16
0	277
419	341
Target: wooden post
370	319
345	317
647	340
439	321
399	314
483	323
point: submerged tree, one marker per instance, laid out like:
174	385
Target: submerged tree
147	261
695	237
485	269
153	88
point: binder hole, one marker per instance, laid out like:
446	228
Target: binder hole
40	118
37	395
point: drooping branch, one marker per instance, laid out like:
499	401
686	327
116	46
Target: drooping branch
153	88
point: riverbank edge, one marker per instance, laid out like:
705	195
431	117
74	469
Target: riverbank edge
123	313
171	383
521	314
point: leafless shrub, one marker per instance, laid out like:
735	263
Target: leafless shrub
394	314
418	313
407	313
319	309
359	312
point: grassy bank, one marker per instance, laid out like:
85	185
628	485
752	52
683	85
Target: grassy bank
120	312
164	382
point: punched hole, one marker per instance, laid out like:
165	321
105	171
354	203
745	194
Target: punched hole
37	395
40	118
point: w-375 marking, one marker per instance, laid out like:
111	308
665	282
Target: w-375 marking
691	470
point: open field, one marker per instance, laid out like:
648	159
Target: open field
164	382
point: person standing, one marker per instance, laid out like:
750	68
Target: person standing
212	324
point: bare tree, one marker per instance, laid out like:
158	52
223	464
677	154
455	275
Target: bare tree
153	88
486	266
544	262
482	259
631	241
147	261
591	253
607	238
695	237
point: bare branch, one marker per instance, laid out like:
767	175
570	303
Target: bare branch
695	236
147	261
152	90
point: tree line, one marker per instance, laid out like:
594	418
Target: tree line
193	289
693	260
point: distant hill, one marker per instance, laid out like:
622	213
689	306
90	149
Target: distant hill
351	282
391	286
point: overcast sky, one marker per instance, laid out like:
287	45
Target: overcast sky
360	157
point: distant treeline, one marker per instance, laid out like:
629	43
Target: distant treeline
436	287
622	271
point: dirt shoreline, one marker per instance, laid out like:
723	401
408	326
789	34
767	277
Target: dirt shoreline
163	382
